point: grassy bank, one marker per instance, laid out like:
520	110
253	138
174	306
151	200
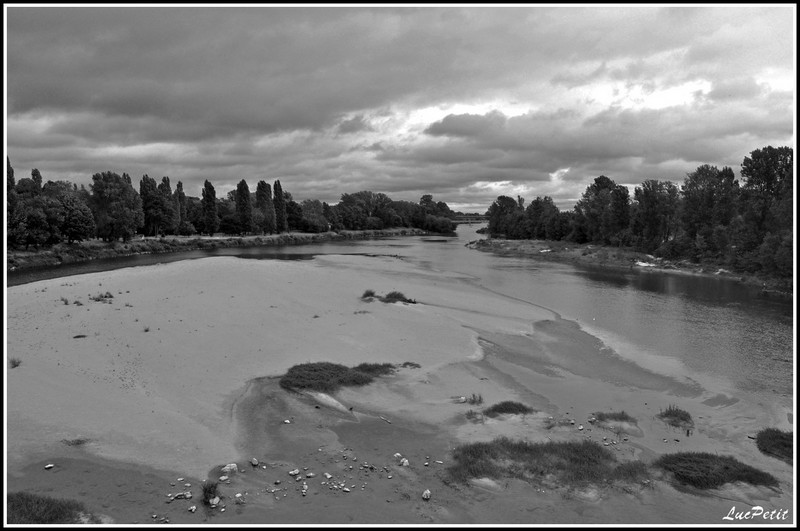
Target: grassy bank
623	259
27	508
327	377
65	253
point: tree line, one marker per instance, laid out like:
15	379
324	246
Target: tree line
746	225
113	209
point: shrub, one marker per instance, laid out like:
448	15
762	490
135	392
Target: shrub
28	508
619	416
704	470
65	301
14	362
775	442
411	365
631	471
146	328
507	407
368	294
209	491
75	442
396	296
676	417
475	400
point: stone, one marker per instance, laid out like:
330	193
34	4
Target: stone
294	472
426	495
227	469
49	466
187	485
254	461
287	421
580	427
214	500
310	475
327	476
404	462
223	478
193	508
346	489
397	456
238	495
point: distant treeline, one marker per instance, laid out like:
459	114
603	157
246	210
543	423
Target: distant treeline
711	217
112	209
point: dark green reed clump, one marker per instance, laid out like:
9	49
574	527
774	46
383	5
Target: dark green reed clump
704	470
776	443
507	407
327	377
28	508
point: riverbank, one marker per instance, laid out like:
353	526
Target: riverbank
134	383
623	259
66	253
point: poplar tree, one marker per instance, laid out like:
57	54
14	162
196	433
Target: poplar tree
281	223
265	205
244	210
209	202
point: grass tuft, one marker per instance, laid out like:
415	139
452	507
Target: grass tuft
704	470
14	362
375	369
28	508
619	416
209	491
368	294
75	442
475	400
674	416
507	407
776	443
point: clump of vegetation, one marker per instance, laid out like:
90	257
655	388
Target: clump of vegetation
569	461
775	442
146	328
508	406
631	471
392	296
28	508
14	362
475	400
410	365
75	442
209	491
704	470
618	416
78	303
65	301
553	423
327	377
674	416
103	297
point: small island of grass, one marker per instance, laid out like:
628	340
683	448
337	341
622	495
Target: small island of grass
568	462
391	297
676	417
704	470
327	377
613	416
514	408
776	443
28	508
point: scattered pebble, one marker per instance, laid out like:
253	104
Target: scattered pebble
193	508
49	466
287	421
426	495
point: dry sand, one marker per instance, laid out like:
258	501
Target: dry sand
176	376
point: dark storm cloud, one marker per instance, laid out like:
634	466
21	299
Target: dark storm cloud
322	97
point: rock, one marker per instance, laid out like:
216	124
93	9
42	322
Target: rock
328	476
187	495
187	485
310	475
346	489
277	482
404	462
181	479
49	466
580	427
254	461
223	478
397	456
193	508
227	469
238	495
214	500
287	421
294	472
426	495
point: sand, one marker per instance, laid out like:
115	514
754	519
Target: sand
177	375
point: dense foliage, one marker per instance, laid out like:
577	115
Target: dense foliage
712	217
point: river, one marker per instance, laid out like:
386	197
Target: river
710	328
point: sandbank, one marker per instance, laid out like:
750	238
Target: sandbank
177	374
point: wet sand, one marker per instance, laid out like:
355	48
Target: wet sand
199	390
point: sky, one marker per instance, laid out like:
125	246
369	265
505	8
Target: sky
464	102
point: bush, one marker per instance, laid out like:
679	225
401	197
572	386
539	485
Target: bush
28	508
368	294
375	369
209	491
676	417
704	470
396	296
633	471
777	443
14	362
507	407
475	400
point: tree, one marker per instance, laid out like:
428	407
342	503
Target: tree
116	206
265	205
78	224
313	216
500	214
244	208
602	213
279	201
653	221
209	202
170	217
294	213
